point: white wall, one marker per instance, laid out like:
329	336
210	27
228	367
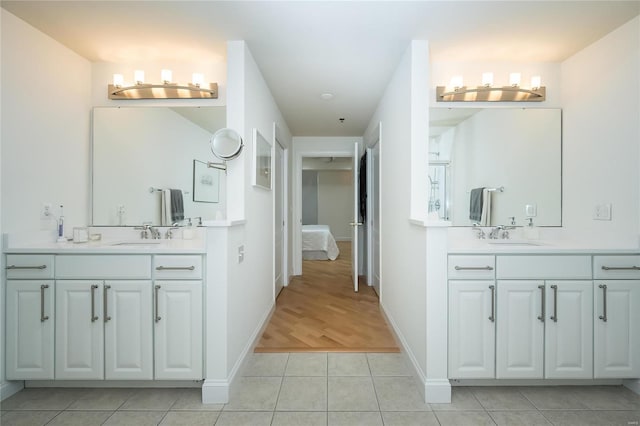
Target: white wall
250	287
335	202
601	116
403	274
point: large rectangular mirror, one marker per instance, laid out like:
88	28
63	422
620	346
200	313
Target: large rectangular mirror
139	152
515	154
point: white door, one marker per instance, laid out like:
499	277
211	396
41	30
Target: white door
355	224
128	330
569	330
373	201
30	322
617	329
178	330
472	331
79	330
278	216
520	329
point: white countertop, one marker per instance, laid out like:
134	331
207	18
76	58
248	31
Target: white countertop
175	246
540	247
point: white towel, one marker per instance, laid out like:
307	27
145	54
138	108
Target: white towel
485	219
165	208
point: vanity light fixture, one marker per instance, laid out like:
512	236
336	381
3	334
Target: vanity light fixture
165	90
456	92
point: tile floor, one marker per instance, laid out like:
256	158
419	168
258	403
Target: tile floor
307	389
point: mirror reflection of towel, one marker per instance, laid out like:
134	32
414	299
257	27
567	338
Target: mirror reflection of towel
476	204
177	206
485	217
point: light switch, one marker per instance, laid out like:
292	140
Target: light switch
602	212
240	254
531	210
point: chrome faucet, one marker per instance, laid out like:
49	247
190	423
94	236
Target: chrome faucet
147	229
169	234
495	232
481	235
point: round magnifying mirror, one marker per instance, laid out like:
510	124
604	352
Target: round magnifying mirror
226	144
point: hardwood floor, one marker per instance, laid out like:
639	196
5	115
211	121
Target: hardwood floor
320	312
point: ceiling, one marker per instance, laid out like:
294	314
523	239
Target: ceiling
306	48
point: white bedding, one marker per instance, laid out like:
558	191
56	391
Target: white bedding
318	243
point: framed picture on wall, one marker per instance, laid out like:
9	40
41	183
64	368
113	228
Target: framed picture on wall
261	161
206	183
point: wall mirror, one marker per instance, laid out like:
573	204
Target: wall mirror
138	152
516	150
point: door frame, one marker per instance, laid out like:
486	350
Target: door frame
297	211
373	141
285	211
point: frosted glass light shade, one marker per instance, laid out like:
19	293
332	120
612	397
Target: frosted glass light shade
138	76
536	82
487	79
118	80
166	76
456	81
197	79
514	79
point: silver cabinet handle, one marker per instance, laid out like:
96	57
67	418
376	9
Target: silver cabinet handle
554	317
603	317
94	317
541	316
175	268
27	267
473	268
492	318
104	302
621	268
157	289
43	317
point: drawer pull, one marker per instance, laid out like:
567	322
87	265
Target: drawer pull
621	268
105	307
175	268
554	317
43	317
94	317
157	289
492	318
27	267
473	268
603	317
543	304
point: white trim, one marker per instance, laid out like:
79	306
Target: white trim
437	391
215	391
536	382
113	383
633	384
10	388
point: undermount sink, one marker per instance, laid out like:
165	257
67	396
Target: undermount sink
138	243
513	243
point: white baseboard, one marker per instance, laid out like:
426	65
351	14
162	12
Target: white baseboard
536	382
633	384
9	388
218	391
437	391
113	383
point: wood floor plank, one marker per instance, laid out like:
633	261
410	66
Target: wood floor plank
320	312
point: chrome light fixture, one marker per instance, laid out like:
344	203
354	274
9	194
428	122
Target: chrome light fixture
514	92
165	90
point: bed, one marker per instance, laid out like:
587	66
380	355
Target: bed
318	243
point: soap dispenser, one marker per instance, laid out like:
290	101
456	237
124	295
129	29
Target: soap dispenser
188	231
531	232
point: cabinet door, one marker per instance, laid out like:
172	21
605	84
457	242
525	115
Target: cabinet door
128	330
569	330
79	330
520	330
617	329
30	322
471	329
178	329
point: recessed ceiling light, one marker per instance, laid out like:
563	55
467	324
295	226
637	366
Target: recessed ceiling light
326	96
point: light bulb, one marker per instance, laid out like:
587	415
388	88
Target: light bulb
138	76
165	76
536	82
514	79
456	82
487	79
118	80
197	79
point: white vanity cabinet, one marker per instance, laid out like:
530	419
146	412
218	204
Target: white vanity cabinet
472	317
178	300
103	325
617	316
30	317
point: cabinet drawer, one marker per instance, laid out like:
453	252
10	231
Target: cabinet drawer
29	266
178	267
471	267
103	267
543	267
616	267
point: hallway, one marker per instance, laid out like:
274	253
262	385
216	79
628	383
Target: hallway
319	312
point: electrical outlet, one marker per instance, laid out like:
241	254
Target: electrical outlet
45	213
602	212
240	254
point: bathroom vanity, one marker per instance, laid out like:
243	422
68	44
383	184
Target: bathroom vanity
543	312
124	310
